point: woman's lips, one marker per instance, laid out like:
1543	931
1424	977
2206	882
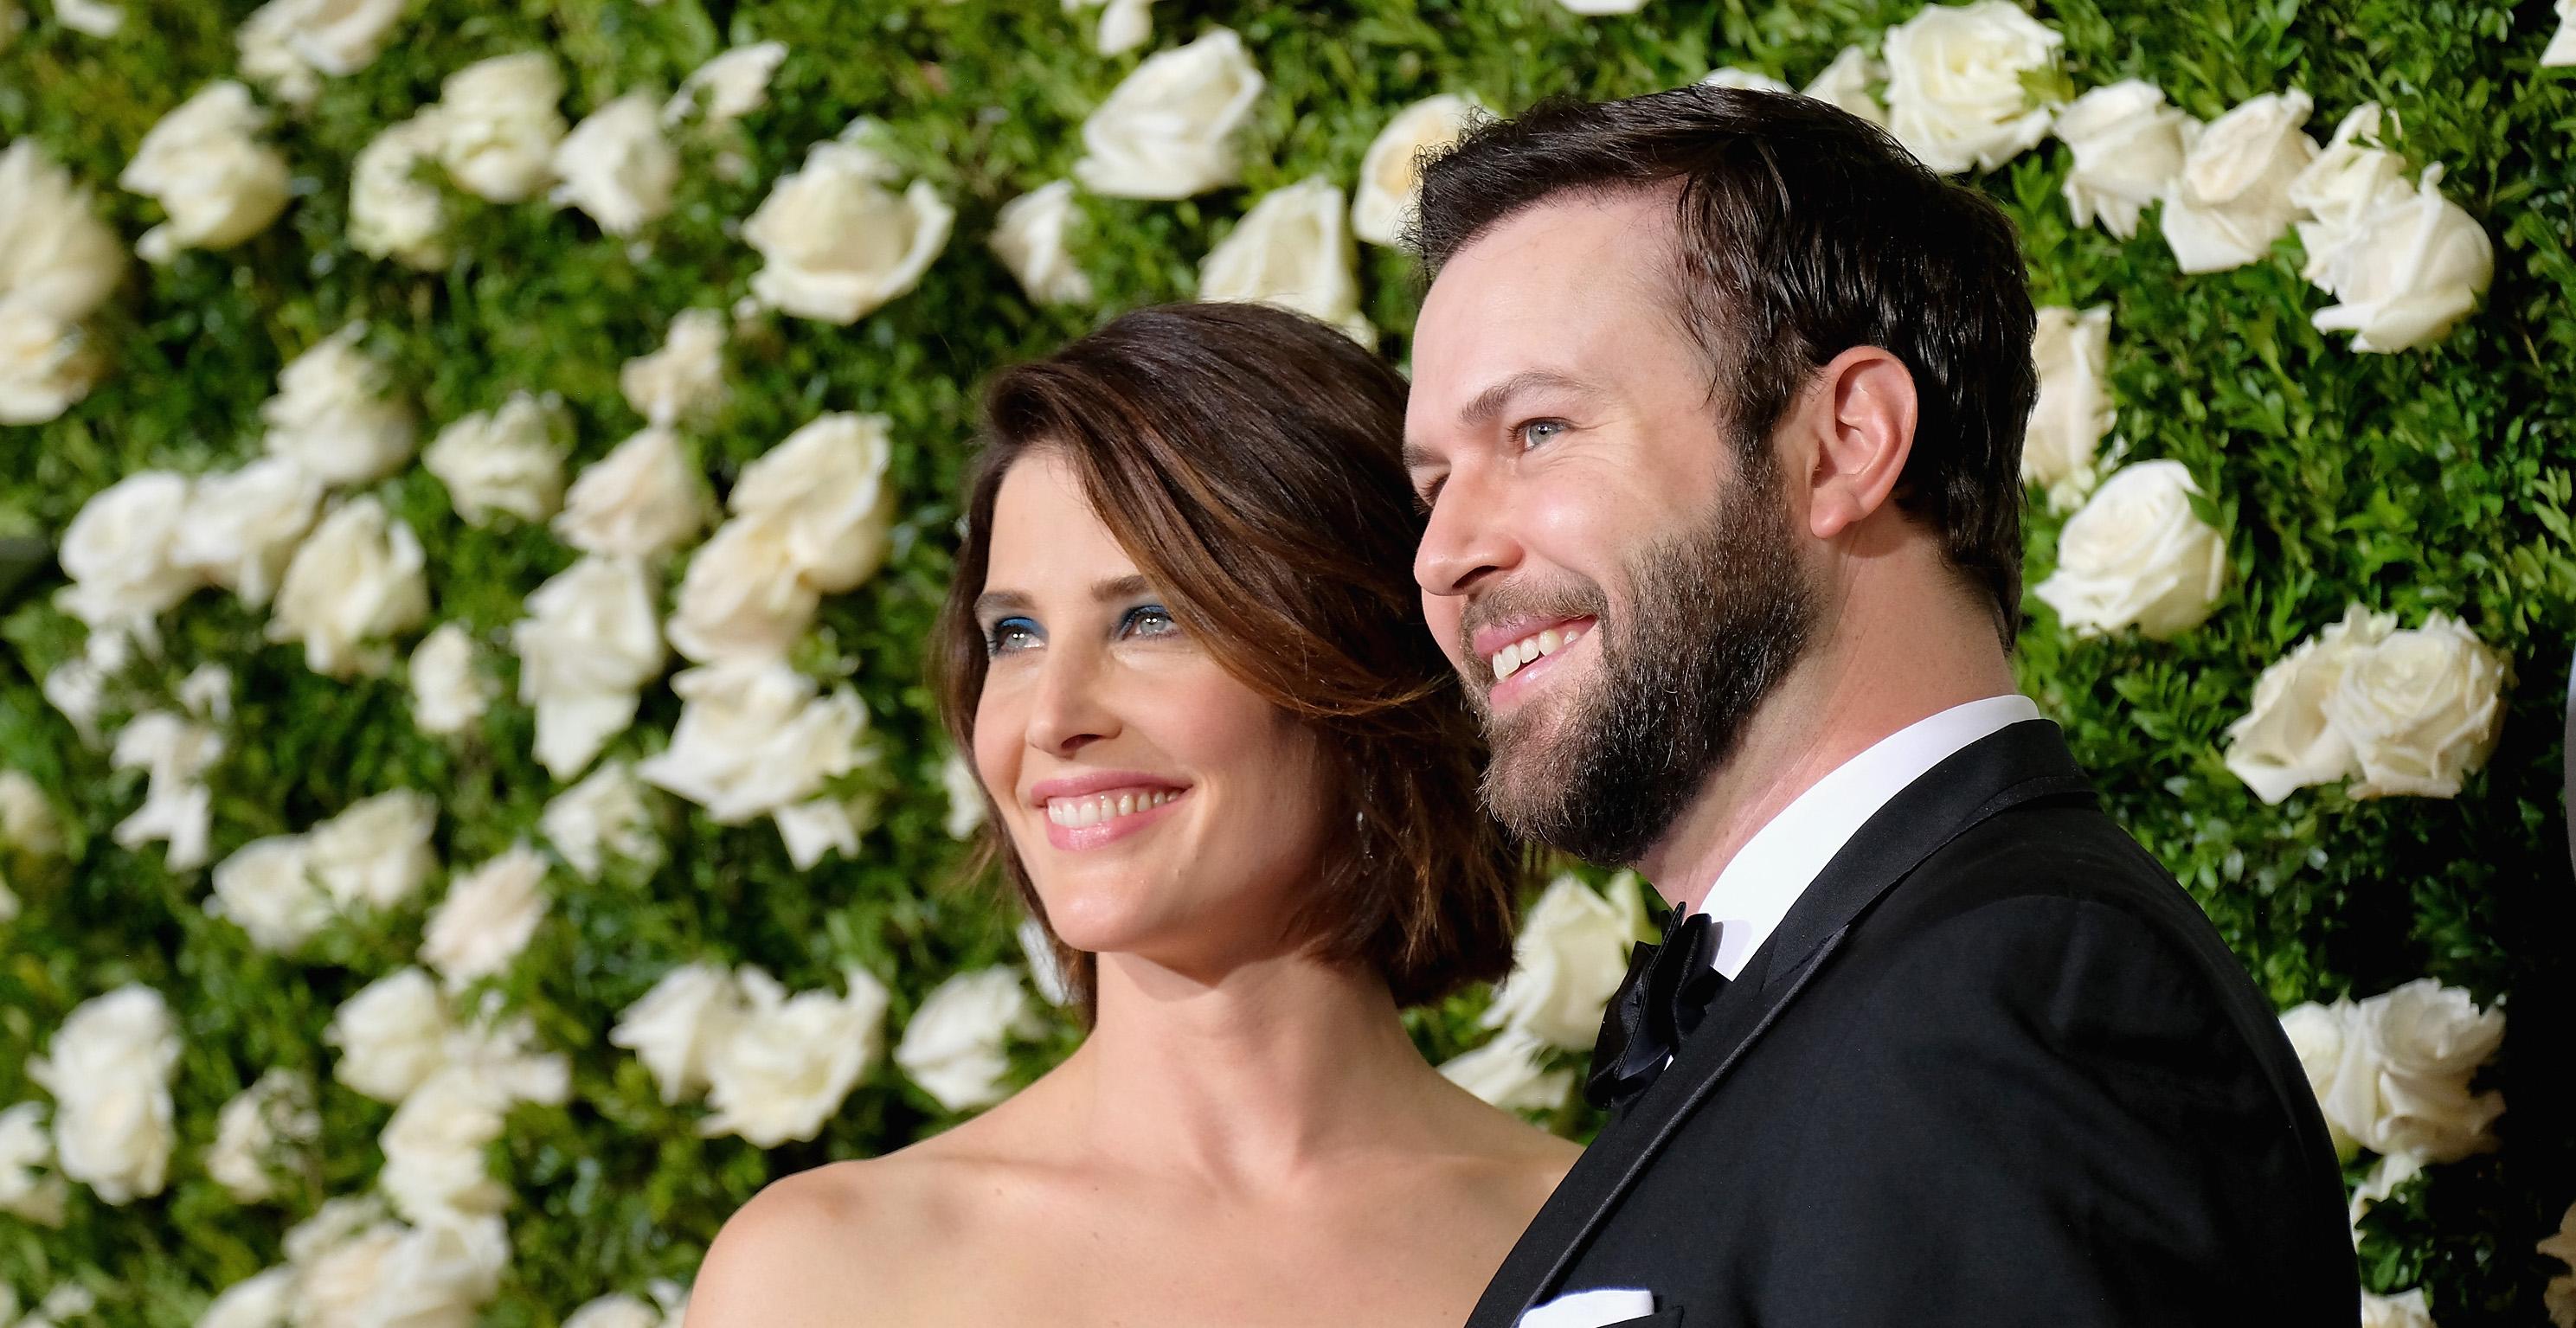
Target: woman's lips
1076	838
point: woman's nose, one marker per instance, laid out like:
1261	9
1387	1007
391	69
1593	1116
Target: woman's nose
1070	711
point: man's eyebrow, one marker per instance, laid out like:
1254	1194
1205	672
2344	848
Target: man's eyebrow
1489	404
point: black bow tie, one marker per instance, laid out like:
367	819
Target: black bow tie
1666	992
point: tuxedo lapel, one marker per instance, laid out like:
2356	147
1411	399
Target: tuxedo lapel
2018	764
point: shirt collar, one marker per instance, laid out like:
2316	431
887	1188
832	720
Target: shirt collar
1758	886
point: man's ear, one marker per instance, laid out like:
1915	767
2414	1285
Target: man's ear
1858	416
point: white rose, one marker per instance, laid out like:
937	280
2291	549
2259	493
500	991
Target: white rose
965	790
1954	83
1389	175
505	460
27	820
487	917
2343	184
1506	1072
837	241
2128	147
1570	955
1029	237
754	738
206	167
392	1035
604	815
94	18
176	802
47	363
78	687
789	1062
1124	24
2415	267
2392	1072
2232	197
61	259
676	1027
118	551
1846	83
29	1189
336	416
953	1047
69	1300
267	1131
826	483
684	380
109	1069
261	1300
351	587
1601	8
2422	709
640	501
616	166
2137	555
1292	249
1169	130
242	526
393	214
438	1274
266	888
1750	80
504	1053
617	1310
742	597
586	648
376	852
500	126
2073	353
2283	742
2406	1309
286	44
332	1287
2561	50
448	694
728	87
1046	972
433	1148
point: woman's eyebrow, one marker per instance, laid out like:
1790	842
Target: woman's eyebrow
1121	587
1000	601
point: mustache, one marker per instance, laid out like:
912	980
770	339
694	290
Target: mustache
1572	598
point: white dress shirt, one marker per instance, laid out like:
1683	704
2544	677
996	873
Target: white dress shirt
1782	859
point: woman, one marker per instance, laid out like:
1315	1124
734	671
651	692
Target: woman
1230	773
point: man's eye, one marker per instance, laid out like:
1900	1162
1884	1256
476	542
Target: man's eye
1531	437
1011	634
1148	620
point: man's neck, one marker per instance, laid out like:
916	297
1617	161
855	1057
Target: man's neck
1836	704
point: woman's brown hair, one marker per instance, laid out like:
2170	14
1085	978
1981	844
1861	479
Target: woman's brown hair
1247	458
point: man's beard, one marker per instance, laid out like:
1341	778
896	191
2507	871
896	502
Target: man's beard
1721	614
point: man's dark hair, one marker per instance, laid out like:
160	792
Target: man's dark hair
1803	230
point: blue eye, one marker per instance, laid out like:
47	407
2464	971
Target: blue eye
1148	620
1526	431
1011	634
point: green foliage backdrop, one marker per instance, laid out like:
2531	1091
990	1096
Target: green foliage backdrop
2436	479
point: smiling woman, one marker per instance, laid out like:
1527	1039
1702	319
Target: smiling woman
1246	460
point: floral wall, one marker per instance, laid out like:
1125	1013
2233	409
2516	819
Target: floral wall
474	480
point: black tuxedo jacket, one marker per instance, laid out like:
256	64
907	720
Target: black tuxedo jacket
1993	1068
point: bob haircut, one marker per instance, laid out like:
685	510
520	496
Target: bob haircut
1246	458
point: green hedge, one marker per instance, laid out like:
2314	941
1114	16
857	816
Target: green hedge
2435	479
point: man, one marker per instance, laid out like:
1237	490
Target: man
1717	412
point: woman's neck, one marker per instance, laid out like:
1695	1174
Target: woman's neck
1251	1080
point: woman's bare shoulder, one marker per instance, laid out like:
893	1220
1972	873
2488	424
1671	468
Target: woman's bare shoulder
864	1231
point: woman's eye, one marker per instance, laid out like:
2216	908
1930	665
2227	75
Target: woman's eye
1530	435
1010	634
1148	620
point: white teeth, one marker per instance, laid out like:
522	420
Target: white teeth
1076	813
1512	658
